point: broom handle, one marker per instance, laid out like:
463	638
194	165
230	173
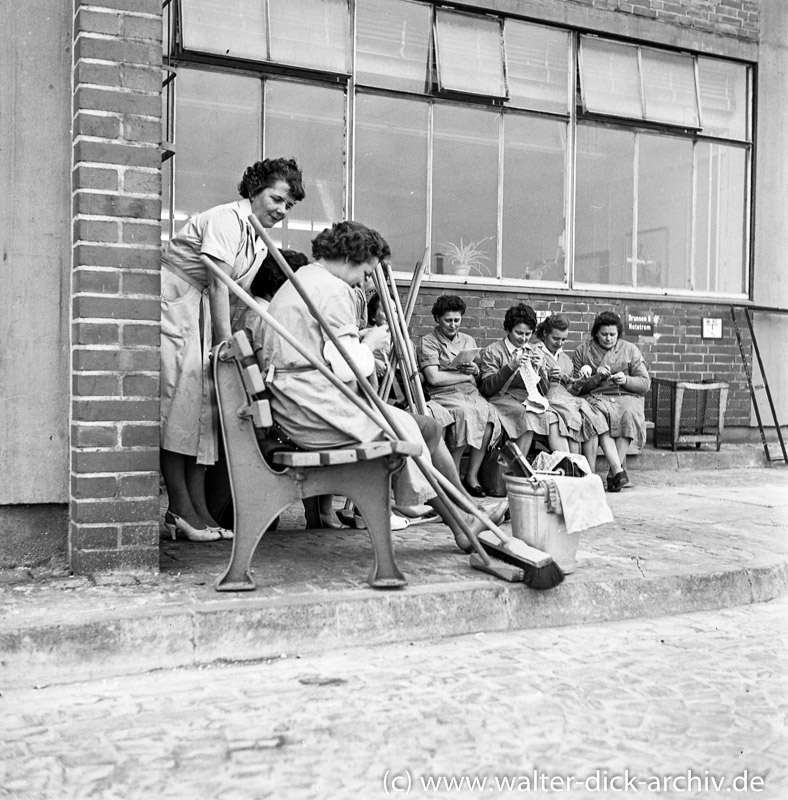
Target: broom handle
413	290
396	341
413	369
430	473
439	483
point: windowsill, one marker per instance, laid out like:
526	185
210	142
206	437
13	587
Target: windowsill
479	284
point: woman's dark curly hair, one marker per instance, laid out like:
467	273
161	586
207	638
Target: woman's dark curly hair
555	322
517	314
351	240
446	303
264	174
373	304
270	278
607	318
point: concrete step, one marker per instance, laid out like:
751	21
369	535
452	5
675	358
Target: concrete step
681	541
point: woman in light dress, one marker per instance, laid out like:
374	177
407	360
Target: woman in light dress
476	423
196	313
586	427
502	382
614	381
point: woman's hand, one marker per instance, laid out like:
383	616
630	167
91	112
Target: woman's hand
554	373
603	371
619	378
471	369
376	338
585	371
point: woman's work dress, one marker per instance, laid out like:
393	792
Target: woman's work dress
508	400
470	411
623	406
305	404
189	421
582	422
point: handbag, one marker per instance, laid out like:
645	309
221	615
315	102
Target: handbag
491	473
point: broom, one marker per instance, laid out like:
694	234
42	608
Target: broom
538	567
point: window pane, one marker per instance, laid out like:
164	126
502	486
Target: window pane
310	33
308	122
392	44
603	215
465	190
533	198
720	247
469	54
609	78
211	158
391	173
231	28
664	212
537	66
724	98
669	88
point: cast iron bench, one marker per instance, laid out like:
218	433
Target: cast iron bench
262	490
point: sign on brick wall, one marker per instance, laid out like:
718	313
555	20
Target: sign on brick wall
639	322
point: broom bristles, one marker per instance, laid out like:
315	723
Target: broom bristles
547	575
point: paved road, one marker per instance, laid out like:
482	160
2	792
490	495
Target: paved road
691	700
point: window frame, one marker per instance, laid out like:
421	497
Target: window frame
576	114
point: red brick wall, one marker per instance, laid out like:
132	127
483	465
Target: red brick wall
116	195
739	18
677	352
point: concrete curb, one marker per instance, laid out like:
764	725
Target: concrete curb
184	635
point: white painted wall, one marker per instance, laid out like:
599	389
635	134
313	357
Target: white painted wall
771	204
35	237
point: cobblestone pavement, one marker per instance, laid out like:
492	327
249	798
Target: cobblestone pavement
693	699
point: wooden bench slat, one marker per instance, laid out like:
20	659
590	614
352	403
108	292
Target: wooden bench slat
242	345
345	455
298	458
253	379
342	456
261	414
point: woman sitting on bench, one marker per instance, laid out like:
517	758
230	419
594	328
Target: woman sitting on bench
614	381
305	404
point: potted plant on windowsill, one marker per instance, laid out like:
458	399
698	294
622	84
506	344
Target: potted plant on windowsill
466	259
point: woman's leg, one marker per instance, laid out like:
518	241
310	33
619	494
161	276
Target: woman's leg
555	440
574	446
622	445
195	483
174	470
456	455
590	448
477	456
611	453
524	441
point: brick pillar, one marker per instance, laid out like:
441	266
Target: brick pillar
116	206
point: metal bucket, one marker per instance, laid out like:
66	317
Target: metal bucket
532	523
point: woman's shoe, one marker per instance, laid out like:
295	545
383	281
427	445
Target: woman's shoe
475	490
398	523
464	543
174	525
618	482
224	533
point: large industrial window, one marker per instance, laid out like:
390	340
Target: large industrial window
657	208
459	132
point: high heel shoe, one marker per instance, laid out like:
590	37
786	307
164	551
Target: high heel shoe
224	533
175	524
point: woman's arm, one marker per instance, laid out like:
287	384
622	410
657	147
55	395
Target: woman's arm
495	374
435	376
219	299
638	380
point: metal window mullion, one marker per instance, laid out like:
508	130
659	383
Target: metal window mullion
430	162
708	219
635	204
693	216
267	30
499	214
717	225
698	106
350	122
641	84
570	171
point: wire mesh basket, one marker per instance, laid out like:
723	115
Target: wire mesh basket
688	413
